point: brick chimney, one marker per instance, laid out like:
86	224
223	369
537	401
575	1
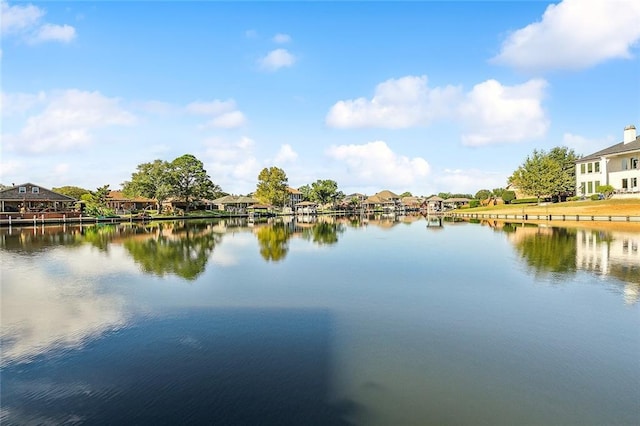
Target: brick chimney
629	134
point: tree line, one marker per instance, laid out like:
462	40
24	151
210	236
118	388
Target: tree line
541	175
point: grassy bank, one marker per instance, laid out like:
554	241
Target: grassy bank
612	207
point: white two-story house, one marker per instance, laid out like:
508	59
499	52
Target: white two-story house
617	165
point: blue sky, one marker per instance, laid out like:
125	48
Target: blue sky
424	97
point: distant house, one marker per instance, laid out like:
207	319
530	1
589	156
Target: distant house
383	200
306	207
31	198
294	198
234	203
455	203
617	165
120	203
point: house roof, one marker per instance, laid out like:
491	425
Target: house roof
43	194
234	199
435	198
305	204
386	194
457	200
619	148
293	191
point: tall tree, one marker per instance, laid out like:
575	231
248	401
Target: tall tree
324	191
306	192
71	191
190	181
483	194
272	186
537	175
152	180
565	182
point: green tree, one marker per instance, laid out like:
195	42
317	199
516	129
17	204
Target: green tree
324	191
483	194
606	190
497	192
152	180
189	180
71	191
565	181
96	202
508	196
406	194
536	176
272	186
444	195
306	192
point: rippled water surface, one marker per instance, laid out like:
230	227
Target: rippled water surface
328	321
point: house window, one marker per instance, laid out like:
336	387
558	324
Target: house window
589	187
35	190
634	162
582	168
634	182
22	190
596	167
590	167
597	184
625	184
582	187
625	164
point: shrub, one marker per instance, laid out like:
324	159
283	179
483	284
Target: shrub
524	201
595	197
508	196
474	203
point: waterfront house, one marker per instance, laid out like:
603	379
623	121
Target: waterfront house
233	203
121	204
31	198
383	200
306	208
617	165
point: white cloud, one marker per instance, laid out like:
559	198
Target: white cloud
469	181
223	113
232	164
397	103
68	121
25	22
19	18
251	34
19	103
276	59
286	154
490	112
375	164
574	34
586	146
493	113
214	107
282	38
51	32
229	120
9	169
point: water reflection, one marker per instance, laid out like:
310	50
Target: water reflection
566	250
175	248
208	366
52	303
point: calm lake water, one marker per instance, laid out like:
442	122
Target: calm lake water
365	321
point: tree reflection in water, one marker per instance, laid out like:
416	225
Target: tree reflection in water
179	248
274	241
566	250
323	232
